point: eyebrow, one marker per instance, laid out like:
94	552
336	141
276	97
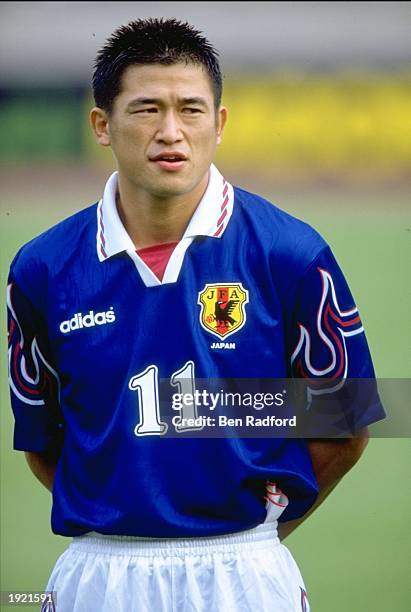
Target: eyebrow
146	101
197	100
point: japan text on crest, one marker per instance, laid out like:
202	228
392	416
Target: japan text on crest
223	308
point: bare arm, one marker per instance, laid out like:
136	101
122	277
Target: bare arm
43	466
331	460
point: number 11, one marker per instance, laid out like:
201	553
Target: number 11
146	385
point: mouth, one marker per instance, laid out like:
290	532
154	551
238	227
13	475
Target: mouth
169	160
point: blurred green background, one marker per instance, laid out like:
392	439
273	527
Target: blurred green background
324	136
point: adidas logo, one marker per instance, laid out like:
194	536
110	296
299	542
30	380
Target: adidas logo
89	320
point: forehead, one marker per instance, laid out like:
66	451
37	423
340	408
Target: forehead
159	80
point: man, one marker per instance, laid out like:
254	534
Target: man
136	289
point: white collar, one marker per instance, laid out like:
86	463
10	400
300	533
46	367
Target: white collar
210	218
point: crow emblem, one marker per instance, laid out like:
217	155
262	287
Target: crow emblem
223	308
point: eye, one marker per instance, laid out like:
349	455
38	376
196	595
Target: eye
189	110
145	111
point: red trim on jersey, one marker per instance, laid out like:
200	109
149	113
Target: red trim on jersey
16	371
304	600
325	311
223	210
345	313
16	350
12	328
337	343
272	501
218	232
221	219
270	494
344	323
156	257
102	238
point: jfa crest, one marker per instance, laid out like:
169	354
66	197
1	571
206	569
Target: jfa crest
223	308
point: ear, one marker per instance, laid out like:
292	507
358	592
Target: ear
221	121
100	125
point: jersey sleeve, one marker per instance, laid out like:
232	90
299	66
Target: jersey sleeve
329	350
34	383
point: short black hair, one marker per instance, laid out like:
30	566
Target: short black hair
151	41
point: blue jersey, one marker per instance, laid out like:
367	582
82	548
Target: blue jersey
249	292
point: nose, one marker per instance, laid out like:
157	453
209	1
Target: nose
169	130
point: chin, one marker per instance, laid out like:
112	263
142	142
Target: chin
172	188
170	193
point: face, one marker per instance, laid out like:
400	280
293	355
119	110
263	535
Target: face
163	129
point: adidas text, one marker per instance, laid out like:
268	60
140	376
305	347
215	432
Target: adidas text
88	320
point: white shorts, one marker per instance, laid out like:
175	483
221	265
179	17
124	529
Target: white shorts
250	571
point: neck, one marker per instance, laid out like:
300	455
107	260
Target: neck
151	220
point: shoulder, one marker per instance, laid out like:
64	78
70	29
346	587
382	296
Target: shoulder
58	241
49	252
291	241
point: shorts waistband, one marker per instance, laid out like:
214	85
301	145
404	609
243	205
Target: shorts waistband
262	536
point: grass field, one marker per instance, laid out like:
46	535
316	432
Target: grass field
354	552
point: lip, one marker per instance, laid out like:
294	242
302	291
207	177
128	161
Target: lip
170	166
159	156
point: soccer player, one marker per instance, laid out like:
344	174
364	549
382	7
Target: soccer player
148	285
